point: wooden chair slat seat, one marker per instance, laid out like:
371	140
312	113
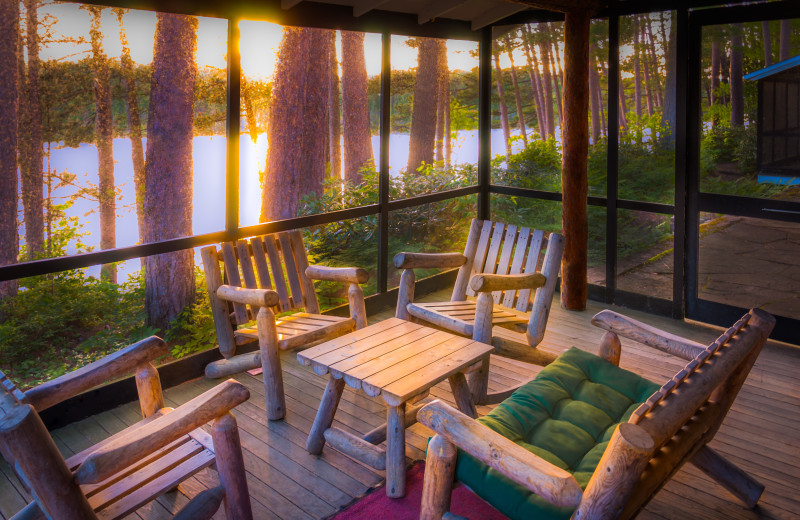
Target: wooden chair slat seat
277	264
502	251
62	489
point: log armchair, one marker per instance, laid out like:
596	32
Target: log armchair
115	477
586	439
266	275
502	266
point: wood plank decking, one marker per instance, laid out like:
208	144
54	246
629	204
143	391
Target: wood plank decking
760	434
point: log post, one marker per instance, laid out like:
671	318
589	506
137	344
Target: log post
26	441
148	386
324	419
396	451
440	469
482	328
230	465
405	294
610	348
271	364
358	310
575	139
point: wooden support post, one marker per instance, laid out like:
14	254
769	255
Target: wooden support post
26	441
619	469
440	469
479	382
271	364
575	139
405	294
378	434
148	385
610	348
358	309
203	506
356	447
324	419
482	328
739	483
230	465
396	451
460	388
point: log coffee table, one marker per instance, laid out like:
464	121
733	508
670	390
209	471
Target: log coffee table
399	361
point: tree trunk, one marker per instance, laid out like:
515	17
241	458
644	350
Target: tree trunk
558	73
444	102
737	82
715	70
169	277
648	92
249	109
104	140
9	104
502	100
441	112
594	94
533	74
335	114
298	129
544	52
623	108
134	123
767	37
669	112
637	74
517	96
574	182
423	125
357	136
656	77
786	34
32	176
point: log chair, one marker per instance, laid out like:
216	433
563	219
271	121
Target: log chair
131	468
502	262
588	440
267	275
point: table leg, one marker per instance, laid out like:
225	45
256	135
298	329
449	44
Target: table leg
324	418
460	388
396	451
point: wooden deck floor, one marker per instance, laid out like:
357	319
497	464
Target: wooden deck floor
760	434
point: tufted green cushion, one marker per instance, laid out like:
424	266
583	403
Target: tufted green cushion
565	416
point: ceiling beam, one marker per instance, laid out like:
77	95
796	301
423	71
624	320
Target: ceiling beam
495	14
437	9
364	6
288	4
564	6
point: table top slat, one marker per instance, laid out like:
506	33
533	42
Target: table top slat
377	350
307	356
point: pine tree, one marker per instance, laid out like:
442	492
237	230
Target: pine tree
426	92
9	105
355	107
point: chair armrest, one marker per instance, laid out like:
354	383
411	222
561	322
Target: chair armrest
647	335
506	282
112	366
257	297
130	448
428	260
539	476
338	274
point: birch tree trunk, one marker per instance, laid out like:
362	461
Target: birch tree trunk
104	140
169	277
9	105
134	123
357	136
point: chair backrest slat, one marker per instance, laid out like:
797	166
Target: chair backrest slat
260	259
246	261
276	266
310	301
520	248
219	308
466	270
504	262
291	270
232	272
480	253
531	262
10	395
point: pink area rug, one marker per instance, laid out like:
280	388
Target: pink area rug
376	505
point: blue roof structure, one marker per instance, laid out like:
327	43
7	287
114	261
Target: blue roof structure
774	69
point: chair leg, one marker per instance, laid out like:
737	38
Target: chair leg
479	382
726	473
324	418
271	364
440	469
230	465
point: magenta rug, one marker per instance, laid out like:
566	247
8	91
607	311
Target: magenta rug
377	505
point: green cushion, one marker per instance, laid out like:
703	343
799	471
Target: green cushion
565	416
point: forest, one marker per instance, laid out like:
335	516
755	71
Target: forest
319	113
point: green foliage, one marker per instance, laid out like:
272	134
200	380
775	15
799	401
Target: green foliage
537	166
193	329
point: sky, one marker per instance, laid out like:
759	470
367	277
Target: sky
67	38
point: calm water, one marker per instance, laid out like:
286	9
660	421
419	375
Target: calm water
209	182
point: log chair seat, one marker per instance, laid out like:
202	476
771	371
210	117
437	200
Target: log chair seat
461	315
293	330
566	416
